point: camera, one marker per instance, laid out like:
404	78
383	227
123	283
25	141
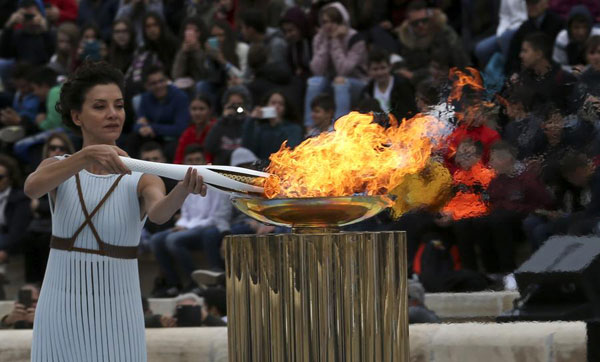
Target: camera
188	315
28	16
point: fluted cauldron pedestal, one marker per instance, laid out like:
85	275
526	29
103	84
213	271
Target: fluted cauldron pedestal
317	296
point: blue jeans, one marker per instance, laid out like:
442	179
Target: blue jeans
6	66
344	94
170	247
493	44
537	230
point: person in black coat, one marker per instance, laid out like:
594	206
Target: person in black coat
540	19
395	94
15	213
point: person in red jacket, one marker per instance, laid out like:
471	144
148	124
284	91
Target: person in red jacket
59	11
466	210
471	126
202	121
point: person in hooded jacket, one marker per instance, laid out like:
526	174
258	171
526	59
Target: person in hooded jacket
569	46
339	61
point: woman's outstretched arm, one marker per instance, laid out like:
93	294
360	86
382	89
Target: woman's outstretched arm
52	172
161	207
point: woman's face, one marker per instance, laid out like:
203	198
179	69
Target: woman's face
89	35
218	33
199	111
277	101
121	35
63	43
593	58
102	114
152	29
327	24
56	147
4	178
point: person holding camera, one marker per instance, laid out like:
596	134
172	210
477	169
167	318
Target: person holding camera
226	135
25	36
270	126
23	313
190	313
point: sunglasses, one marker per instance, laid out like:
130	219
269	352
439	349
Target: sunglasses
418	22
53	148
2	177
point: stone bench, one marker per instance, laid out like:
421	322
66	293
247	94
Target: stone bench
464	342
448	306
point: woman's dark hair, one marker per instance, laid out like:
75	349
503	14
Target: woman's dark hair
65	140
193	148
74	90
121	58
203	98
333	14
166	45
92	26
12	167
198	23
230	43
288	114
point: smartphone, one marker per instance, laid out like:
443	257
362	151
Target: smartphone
213	42
268	112
25	297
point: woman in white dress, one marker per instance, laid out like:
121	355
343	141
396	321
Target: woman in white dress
89	307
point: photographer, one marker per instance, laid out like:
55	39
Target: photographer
226	135
190	313
270	126
25	36
22	315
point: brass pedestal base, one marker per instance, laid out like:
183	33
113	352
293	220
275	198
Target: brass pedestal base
317	297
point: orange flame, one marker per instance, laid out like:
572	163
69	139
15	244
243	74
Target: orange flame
462	79
467	202
359	157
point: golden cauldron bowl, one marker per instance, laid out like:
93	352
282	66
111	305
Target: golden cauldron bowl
311	212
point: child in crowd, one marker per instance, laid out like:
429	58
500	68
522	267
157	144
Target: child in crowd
322	109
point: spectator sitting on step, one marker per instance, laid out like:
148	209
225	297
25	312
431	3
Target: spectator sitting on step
202	225
215	303
15	212
189	312
23	313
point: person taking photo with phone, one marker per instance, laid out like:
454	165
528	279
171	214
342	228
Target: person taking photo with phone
270	126
23	312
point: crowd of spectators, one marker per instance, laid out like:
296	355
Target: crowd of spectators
228	81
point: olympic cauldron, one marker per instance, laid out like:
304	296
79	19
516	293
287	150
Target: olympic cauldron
316	294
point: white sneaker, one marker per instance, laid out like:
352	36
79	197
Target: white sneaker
208	277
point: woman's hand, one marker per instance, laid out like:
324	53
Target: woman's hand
193	183
107	158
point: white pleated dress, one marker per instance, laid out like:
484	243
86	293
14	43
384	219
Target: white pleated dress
90	306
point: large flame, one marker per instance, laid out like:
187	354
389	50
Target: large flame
359	157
